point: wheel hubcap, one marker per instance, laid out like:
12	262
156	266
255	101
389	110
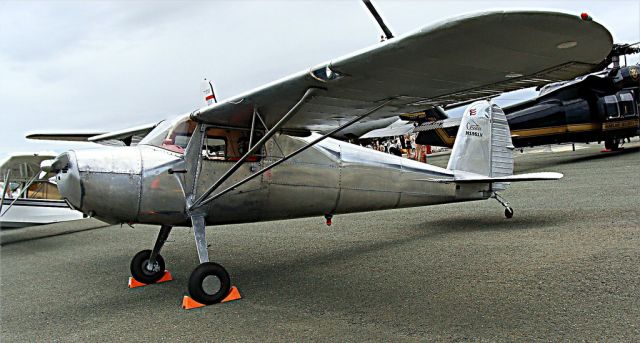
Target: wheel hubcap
150	269
211	284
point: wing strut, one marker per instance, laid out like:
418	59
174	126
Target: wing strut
24	189
267	128
7	177
253	125
306	97
285	158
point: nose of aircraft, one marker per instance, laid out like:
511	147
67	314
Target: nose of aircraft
104	182
68	178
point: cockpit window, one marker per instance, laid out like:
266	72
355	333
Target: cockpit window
178	137
172	135
159	133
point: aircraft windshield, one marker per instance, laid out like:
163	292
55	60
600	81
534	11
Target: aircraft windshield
172	135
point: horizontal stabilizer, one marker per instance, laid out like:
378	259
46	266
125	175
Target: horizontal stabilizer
476	178
513	178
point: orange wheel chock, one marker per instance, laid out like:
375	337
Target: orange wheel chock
188	303
133	283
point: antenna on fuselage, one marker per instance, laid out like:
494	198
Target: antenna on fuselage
378	18
207	92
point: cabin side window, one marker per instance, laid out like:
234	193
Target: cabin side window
611	106
215	148
627	104
227	145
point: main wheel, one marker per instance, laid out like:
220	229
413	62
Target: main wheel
139	269
611	144
209	283
508	212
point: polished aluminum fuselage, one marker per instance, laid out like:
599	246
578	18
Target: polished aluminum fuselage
133	184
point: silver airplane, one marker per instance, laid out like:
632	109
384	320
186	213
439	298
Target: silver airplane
268	154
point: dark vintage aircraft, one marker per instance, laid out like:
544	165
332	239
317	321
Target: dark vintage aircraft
599	107
267	154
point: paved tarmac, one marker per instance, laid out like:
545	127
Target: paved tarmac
565	268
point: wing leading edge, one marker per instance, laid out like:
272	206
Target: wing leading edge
22	167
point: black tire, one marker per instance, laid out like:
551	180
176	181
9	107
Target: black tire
141	273
611	145
197	288
508	212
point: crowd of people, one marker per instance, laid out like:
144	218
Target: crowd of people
404	146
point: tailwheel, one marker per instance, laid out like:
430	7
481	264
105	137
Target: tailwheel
508	212
142	271
209	283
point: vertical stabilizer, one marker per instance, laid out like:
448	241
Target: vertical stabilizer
483	144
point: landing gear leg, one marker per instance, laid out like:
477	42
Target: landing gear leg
508	211
147	266
209	283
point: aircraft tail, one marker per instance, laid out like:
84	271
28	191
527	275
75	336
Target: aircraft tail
483	145
483	151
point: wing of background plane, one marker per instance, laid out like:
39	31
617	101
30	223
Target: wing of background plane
466	58
130	136
439	133
23	167
398	128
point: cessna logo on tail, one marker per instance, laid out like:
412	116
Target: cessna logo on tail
473	129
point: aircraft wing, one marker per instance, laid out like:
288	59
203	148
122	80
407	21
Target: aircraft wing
438	133
23	166
470	57
130	136
397	129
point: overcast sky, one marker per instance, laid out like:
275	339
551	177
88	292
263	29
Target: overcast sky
102	65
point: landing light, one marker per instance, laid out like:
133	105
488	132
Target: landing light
325	74
513	75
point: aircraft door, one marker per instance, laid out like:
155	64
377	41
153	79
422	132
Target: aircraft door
221	149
